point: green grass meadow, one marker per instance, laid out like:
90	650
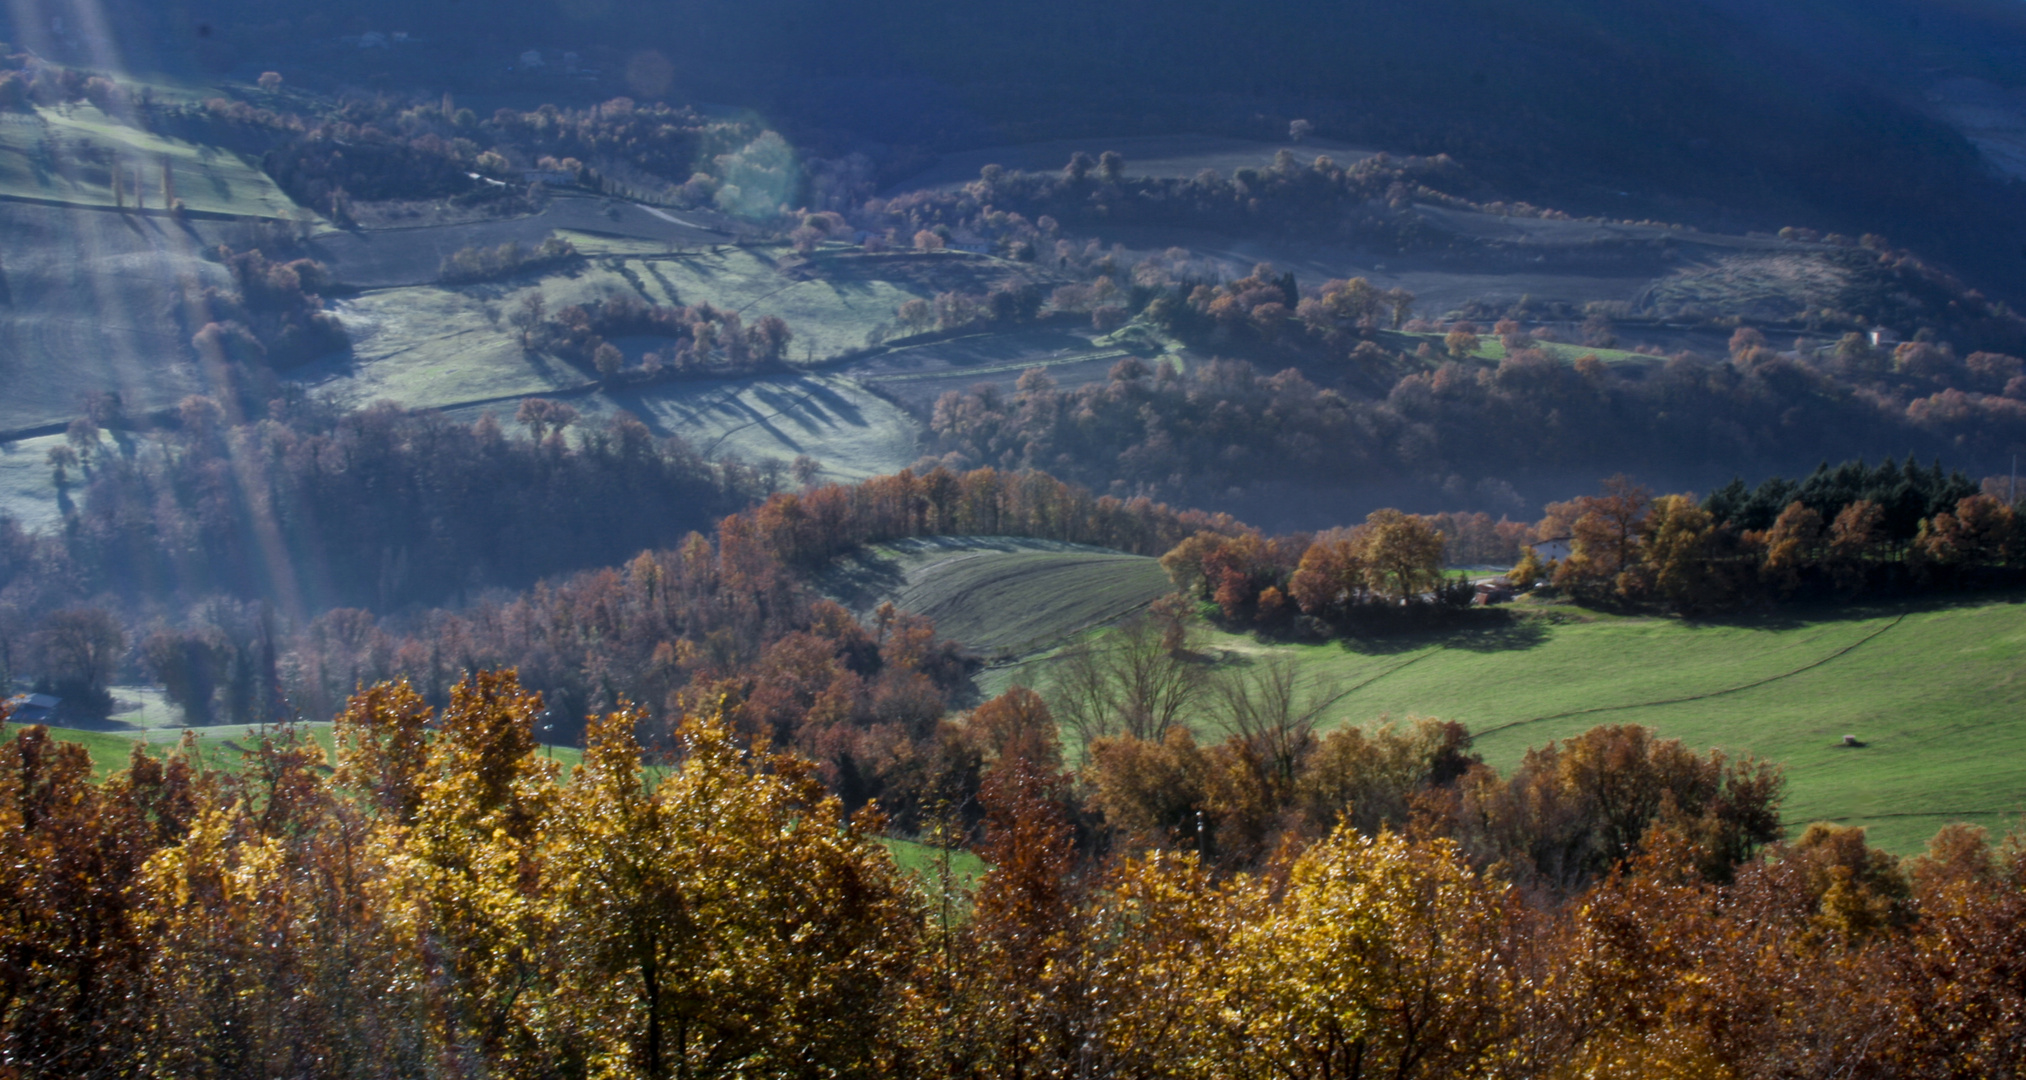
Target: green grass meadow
1935	690
1935	693
1491	348
223	747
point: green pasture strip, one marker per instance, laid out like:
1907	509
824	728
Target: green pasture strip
924	863
952	374
1935	692
67	155
223	747
1491	348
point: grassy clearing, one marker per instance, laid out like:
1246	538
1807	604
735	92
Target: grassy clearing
1002	597
95	301
67	154
27	489
1935	692
223	746
830	305
1491	348
924	863
427	347
853	432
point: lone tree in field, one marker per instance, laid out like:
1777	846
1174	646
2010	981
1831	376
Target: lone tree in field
608	360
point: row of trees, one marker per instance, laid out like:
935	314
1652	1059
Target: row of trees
1368	201
1841	531
699	339
439	904
708	611
1387	569
1194	436
1845	531
470	264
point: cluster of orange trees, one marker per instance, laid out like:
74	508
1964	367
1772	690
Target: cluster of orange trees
1627	546
441	902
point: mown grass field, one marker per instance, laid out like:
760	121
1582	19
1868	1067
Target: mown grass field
925	864
67	154
1491	348
1002	597
1936	692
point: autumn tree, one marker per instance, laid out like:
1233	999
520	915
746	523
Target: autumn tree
72	949
1401	554
1574	810
77	652
1019	1005
1267	707
1128	682
1016	726
1385	957
1605	530
725	917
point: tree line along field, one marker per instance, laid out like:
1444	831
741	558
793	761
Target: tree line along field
1932	690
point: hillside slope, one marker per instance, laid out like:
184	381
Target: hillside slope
1000	597
1932	691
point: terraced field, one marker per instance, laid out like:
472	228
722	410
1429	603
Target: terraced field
1001	597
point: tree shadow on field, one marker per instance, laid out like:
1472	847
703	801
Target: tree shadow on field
1797	614
860	579
1481	630
837	403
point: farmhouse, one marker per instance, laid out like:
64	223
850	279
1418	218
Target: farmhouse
1555	549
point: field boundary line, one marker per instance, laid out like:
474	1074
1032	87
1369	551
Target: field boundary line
1348	691
996	369
1844	651
1902	814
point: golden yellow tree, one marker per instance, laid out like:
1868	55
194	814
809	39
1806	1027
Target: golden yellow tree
725	919
473	864
1385	957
